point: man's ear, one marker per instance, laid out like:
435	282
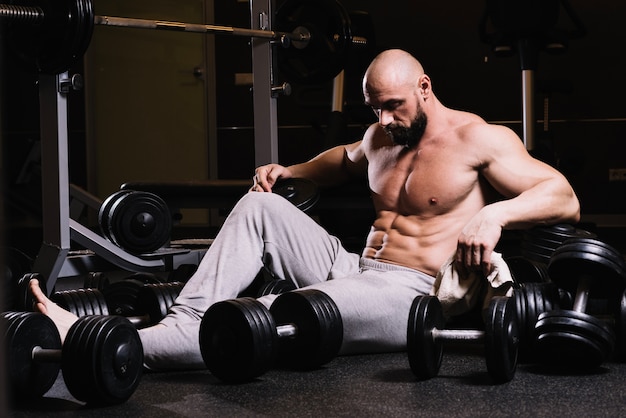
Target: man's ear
424	86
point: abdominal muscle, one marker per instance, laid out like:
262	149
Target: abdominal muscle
422	244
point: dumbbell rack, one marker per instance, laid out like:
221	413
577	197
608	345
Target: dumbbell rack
54	259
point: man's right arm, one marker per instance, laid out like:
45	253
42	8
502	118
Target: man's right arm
331	167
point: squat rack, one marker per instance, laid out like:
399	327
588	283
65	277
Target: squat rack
59	229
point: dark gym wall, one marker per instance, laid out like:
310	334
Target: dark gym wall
587	120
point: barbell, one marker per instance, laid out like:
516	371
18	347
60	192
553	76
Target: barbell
54	34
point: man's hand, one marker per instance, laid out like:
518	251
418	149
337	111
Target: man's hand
477	241
266	176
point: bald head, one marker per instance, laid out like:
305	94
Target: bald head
393	68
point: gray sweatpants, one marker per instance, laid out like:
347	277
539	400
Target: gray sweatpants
264	229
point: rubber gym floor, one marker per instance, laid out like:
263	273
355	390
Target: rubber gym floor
363	385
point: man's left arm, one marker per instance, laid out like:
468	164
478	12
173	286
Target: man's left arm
534	194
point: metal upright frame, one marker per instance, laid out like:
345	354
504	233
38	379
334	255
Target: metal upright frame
54	259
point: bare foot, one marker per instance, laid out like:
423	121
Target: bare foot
62	319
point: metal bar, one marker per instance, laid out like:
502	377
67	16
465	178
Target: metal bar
128	22
264	102
55	177
528	108
34	15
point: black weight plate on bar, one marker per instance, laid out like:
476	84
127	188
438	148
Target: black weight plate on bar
520	310
319	325
121	296
303	193
238	339
28	378
62	38
324	56
26	301
525	270
140	222
96	280
573	340
105	210
330	326
276	287
567	266
501	339
155	299
597	247
102	360
81	302
424	352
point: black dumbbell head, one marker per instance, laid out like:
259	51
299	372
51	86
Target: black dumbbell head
28	379
238	340
319	328
102	360
425	352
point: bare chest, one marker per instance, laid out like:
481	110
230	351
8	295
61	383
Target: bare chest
422	182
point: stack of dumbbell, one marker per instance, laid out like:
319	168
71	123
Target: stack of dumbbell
572	315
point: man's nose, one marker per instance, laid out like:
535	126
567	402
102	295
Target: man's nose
385	118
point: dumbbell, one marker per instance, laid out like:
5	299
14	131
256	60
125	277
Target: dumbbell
151	302
137	221
426	335
532	299
575	339
101	357
240	339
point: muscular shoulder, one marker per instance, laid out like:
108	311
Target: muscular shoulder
488	141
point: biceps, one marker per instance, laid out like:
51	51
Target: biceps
513	176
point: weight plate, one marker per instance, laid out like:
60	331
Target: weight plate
324	57
501	339
102	360
28	378
303	193
566	267
573	340
525	270
524	345
121	296
105	210
319	325
155	299
26	301
96	280
276	287
424	352
60	40
238	339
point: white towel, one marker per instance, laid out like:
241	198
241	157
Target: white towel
459	289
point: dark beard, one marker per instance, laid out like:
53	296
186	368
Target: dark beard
408	137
